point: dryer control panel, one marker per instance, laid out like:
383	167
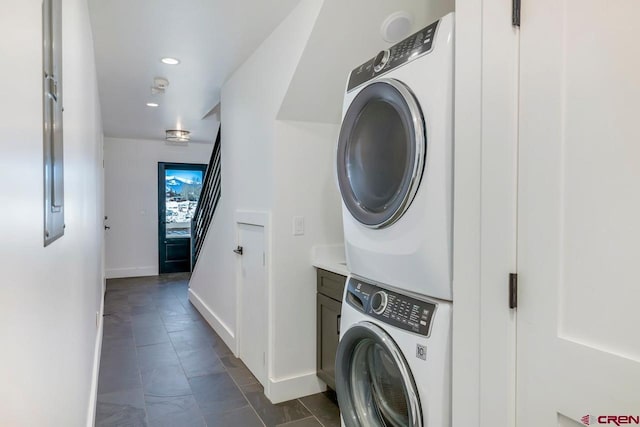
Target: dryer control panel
412	47
401	311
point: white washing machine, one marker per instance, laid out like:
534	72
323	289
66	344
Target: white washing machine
395	164
393	364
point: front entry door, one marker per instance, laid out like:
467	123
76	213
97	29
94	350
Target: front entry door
179	186
578	346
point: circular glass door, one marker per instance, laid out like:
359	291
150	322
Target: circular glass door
381	153
374	384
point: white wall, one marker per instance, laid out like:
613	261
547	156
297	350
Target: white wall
131	200
250	102
48	296
304	186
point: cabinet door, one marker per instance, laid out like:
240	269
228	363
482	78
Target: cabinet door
331	284
328	337
578	351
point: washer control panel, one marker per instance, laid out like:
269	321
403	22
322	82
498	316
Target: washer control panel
390	307
407	50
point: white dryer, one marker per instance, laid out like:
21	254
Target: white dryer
395	164
393	364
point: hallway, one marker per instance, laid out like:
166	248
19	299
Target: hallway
162	365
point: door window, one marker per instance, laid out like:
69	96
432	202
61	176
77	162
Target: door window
182	193
374	383
381	153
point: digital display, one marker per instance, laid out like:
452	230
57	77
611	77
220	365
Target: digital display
412	47
399	310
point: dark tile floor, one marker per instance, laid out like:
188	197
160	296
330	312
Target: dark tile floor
162	365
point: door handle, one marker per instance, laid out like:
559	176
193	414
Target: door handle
52	89
106	227
239	250
338	323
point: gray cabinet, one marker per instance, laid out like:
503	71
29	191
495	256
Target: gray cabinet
329	304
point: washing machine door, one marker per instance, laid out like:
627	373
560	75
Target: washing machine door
381	153
374	384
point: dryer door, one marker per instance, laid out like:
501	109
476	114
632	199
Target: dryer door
374	384
381	153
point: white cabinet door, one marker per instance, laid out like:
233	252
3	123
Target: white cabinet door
578	352
253	306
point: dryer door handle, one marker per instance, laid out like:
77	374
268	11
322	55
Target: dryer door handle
338	323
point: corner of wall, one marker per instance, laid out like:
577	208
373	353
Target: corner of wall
253	93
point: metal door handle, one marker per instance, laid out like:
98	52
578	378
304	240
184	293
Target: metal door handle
52	89
106	227
239	250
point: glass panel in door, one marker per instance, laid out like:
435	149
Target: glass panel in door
378	387
381	153
183	189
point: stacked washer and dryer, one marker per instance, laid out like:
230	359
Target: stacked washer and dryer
395	173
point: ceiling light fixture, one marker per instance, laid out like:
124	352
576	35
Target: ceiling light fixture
177	135
152	104
170	61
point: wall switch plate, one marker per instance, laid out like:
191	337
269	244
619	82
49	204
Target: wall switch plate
298	225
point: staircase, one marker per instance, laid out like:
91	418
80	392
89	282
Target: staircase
207	204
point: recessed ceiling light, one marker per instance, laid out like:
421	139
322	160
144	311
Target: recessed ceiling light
152	104
170	61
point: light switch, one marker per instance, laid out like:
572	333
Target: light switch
298	225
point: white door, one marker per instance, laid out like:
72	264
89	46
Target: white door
578	339
253	316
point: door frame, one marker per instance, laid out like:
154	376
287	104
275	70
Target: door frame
162	229
259	219
485	213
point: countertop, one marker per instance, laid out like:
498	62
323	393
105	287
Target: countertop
330	258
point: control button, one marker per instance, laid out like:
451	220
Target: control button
381	60
379	302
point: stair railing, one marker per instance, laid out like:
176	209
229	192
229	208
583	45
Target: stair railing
208	202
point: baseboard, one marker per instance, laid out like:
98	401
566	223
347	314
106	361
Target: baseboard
117	273
281	390
97	352
216	323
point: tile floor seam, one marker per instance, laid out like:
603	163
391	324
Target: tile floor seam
223	366
177	355
244	395
135	347
288	423
181	367
185	373
311	412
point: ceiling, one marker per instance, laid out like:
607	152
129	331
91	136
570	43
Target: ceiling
210	37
